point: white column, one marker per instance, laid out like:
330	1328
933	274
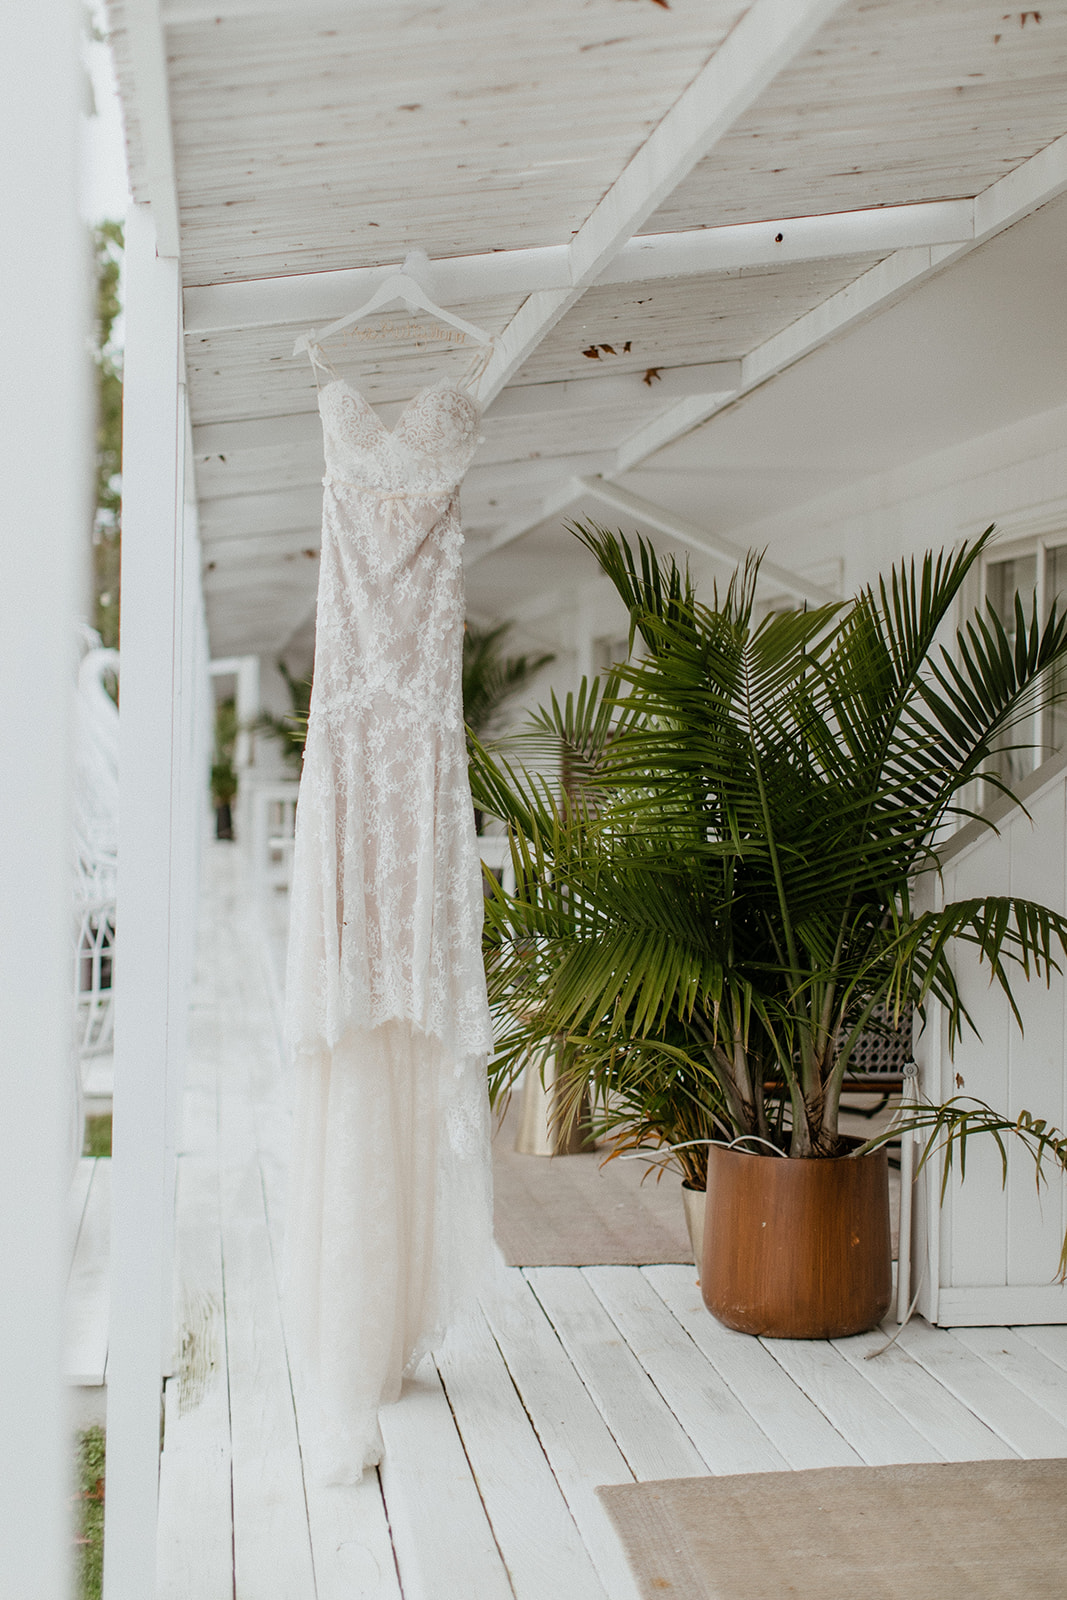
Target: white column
247	707
44	542
150	992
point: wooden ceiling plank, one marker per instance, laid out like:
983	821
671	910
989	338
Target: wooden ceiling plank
762	44
572	395
558	499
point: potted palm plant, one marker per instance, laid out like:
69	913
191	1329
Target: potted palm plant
722	905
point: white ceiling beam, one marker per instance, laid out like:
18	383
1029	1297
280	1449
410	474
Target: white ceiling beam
766	39
874	290
314	297
145	53
498	477
669	425
692	251
698	538
1021	191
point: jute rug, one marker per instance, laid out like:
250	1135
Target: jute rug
972	1530
576	1211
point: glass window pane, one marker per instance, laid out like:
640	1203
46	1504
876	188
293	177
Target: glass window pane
1055	729
1004	580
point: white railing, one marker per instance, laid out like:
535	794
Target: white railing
273	816
94	959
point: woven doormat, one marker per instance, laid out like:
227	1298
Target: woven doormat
972	1530
580	1211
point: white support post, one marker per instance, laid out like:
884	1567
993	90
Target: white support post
150	993
191	785
44	543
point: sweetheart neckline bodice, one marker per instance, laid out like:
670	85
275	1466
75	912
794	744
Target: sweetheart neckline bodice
443	385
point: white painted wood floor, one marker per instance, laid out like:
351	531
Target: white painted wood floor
579	1377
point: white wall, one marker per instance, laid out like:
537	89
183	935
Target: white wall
995	1250
1016	478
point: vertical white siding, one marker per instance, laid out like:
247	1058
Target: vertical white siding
158	685
44	538
999	1246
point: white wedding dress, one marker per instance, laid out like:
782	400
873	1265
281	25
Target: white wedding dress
389	1229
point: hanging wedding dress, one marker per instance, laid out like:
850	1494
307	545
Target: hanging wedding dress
389	1230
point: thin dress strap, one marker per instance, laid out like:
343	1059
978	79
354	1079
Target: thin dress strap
478	366
319	362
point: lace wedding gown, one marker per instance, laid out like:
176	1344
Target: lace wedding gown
389	1228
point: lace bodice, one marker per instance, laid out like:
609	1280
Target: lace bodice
430	446
394	917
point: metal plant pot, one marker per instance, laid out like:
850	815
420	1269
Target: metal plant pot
695	1202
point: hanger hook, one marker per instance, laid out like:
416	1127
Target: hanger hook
417	266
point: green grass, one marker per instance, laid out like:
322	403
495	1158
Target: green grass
89	1510
97	1135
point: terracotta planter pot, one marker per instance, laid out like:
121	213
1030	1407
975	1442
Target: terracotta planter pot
797	1249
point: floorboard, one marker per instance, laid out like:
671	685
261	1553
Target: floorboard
195	1541
794	1424
538	1539
1033	1373
642	1424
574	1436
1018	1420
727	1437
445	1547
1050	1339
873	1427
955	1433
350	1541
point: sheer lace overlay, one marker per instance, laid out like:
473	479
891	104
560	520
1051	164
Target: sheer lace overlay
390	1207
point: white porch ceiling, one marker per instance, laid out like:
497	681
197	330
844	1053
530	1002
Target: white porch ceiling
759	200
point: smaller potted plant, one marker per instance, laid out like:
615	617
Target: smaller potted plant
291	728
223	772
